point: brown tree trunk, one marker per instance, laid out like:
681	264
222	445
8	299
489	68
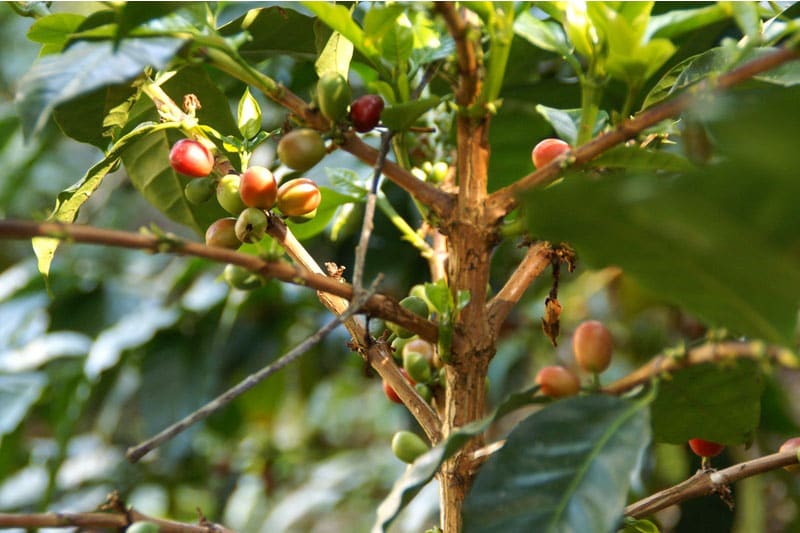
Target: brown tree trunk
470	243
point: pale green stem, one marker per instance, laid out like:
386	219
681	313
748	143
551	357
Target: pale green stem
591	93
408	232
501	35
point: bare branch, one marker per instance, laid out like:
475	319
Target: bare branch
708	482
469	79
116	520
705	353
503	200
536	260
378	305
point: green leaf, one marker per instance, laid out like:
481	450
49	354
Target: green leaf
274	31
438	294
397	43
336	56
399	117
747	18
680	21
147	163
83	68
18	393
338	18
679	239
70	200
719	402
249	115
566	121
632	525
331	200
133	14
565	468
53	31
86	118
546	35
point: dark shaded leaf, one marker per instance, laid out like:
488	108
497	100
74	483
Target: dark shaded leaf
277	30
717	402
18	393
564	468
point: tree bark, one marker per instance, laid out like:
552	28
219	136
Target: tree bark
470	241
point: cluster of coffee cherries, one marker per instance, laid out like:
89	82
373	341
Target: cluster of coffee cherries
250	196
592	345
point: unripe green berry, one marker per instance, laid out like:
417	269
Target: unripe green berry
333	96
251	225
408	446
228	194
241	278
143	527
416	305
301	149
200	190
417	366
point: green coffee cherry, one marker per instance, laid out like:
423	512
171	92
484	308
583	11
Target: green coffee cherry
333	94
301	149
199	190
228	194
424	391
251	225
376	327
222	233
302	219
417	306
408	446
241	278
417	366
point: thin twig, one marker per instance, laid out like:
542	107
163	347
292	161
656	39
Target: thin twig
378	305
708	482
536	260
369	215
503	200
137	452
95	520
705	353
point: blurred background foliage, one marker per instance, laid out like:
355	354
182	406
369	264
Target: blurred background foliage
125	343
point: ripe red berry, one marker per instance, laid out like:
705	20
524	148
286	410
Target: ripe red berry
365	112
547	150
557	382
705	448
298	197
389	391
191	158
791	445
258	187
592	345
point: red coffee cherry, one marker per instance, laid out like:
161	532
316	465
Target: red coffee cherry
258	188
298	197
389	391
365	112
705	448
547	150
222	233
592	345
557	382
190	157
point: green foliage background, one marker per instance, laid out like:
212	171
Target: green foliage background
126	343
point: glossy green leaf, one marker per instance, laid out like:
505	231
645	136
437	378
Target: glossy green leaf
747	18
53	31
133	14
719	402
398	117
70	200
632	525
680	21
83	68
86	118
336	56
397	43
147	163
546	35
338	18
276	30
331	200
564	468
